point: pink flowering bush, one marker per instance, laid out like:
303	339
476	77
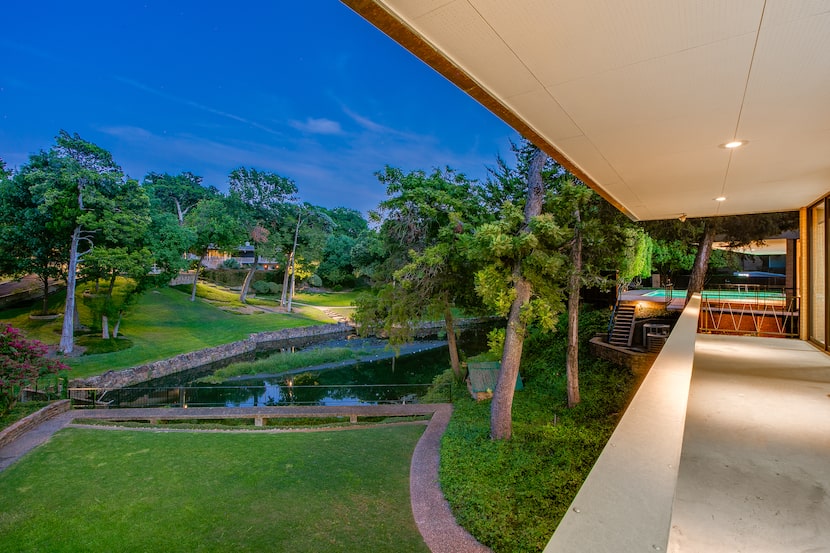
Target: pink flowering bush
22	363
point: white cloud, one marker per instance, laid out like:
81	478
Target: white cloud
317	126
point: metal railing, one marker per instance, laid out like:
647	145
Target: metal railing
750	309
255	396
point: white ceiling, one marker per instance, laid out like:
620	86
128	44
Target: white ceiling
637	95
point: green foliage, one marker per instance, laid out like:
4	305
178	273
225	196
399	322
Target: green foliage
22	363
315	281
282	362
638	263
230	263
511	494
336	267
426	225
265	287
495	342
94	344
502	244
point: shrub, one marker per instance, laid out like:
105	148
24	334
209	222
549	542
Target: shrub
230	263
265	287
315	281
22	362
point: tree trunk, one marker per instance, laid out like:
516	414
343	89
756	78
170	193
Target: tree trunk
293	277
704	252
248	279
44	308
113	276
117	324
574	286
196	279
293	258
105	327
67	343
501	409
285	281
452	343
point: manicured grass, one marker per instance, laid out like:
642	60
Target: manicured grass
165	323
327	299
102	490
282	362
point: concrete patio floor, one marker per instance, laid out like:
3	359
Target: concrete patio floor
754	472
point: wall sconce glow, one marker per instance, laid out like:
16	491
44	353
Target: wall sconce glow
720	199
734	144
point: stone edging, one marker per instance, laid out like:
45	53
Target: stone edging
12	432
193	359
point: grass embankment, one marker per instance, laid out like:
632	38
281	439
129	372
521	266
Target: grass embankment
282	362
164	323
511	495
98	490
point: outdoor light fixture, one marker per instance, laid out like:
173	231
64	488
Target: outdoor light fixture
720	199
682	217
734	144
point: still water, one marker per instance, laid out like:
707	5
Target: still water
400	379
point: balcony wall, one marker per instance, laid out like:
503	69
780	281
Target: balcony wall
625	503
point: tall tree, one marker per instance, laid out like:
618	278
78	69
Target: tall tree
525	270
423	221
213	224
30	240
602	242
265	197
75	183
311	226
177	194
121	245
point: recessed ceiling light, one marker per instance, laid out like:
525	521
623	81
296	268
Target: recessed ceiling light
734	144
720	199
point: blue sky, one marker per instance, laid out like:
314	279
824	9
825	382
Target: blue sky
305	89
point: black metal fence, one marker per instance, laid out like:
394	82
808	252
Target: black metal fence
255	396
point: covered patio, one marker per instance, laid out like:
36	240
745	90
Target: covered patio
672	110
753	467
723	449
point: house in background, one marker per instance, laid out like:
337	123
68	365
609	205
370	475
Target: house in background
243	256
674	109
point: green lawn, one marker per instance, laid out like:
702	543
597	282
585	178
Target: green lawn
103	490
165	323
327	299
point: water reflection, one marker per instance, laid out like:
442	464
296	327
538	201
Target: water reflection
400	379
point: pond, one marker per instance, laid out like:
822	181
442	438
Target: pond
389	379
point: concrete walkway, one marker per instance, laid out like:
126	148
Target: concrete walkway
431	511
755	466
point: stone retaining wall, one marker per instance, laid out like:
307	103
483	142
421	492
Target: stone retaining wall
190	360
10	433
638	362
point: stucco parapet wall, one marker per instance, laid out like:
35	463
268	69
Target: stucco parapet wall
625	504
193	359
